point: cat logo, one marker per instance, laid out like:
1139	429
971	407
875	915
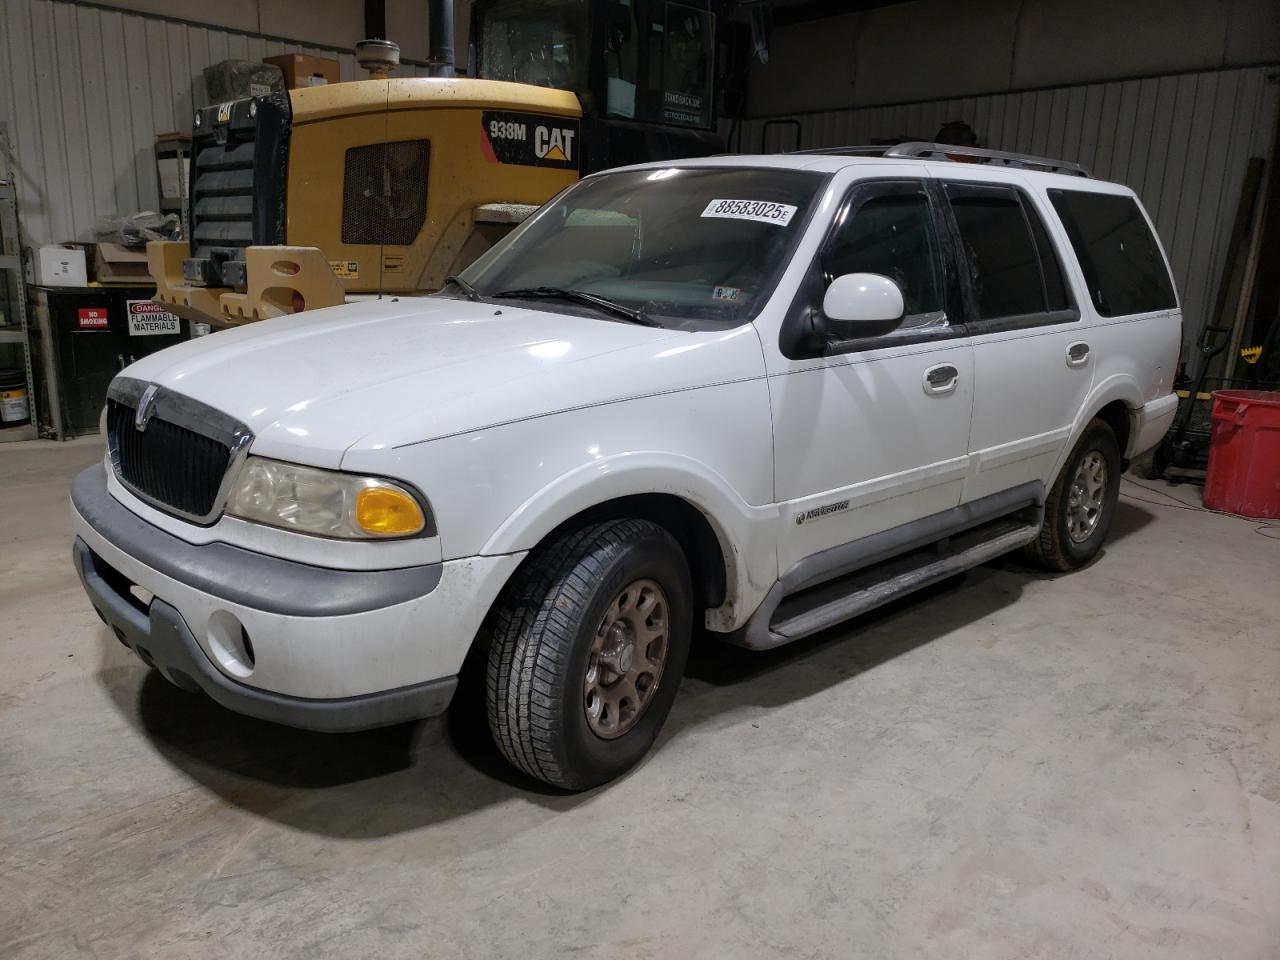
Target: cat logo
555	143
529	140
1251	355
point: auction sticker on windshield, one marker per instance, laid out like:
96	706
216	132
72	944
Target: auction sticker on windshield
761	210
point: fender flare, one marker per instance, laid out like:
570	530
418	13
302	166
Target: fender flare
1119	386
744	531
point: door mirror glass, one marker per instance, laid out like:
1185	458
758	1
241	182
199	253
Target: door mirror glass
863	305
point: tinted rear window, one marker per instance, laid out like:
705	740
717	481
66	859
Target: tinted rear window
1119	256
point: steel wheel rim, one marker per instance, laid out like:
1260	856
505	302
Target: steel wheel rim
627	655
1085	497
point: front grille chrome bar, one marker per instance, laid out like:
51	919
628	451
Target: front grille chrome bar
176	410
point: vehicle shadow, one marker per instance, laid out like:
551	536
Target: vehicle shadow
385	782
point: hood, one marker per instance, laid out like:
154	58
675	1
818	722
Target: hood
390	372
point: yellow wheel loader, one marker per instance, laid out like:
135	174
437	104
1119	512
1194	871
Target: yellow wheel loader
308	198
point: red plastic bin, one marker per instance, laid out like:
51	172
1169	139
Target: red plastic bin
1244	454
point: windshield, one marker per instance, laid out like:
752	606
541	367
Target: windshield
690	247
541	42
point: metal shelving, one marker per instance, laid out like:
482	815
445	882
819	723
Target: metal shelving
15	337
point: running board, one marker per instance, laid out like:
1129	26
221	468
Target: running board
817	608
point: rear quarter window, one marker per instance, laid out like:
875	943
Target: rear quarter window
1119	255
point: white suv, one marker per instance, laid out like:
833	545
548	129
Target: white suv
755	395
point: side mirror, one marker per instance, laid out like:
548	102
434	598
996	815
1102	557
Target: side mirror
863	305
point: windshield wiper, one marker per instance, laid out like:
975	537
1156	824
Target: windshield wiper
581	296
470	292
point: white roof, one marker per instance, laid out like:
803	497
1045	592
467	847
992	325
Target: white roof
834	162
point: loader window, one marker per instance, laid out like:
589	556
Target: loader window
621	59
540	42
384	192
686	41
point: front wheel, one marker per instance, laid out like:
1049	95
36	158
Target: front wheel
1082	502
588	647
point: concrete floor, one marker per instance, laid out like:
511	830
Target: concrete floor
1011	765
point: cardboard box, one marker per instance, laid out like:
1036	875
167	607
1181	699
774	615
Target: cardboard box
61	265
301	70
117	264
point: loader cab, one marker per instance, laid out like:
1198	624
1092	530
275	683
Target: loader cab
644	70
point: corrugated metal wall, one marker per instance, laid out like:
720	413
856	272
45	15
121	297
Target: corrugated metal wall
1181	142
84	91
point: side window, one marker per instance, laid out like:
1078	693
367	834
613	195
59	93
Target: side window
1120	258
999	251
892	233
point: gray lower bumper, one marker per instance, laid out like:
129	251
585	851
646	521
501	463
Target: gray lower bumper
161	638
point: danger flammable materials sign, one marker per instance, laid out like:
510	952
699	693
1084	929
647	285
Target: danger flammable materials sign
148	318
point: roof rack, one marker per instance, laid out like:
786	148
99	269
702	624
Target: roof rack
920	150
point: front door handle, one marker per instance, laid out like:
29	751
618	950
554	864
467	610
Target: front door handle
1078	354
941	379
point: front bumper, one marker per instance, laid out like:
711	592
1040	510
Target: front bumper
327	649
161	638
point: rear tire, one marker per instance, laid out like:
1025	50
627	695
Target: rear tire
1081	504
588	647
1154	468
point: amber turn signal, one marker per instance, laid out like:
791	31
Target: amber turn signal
388	512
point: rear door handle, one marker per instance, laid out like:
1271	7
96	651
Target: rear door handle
941	379
1078	354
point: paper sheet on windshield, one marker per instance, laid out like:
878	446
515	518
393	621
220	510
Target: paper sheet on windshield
760	210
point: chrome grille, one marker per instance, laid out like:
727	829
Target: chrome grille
182	457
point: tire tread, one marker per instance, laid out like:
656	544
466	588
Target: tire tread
533	633
1049	550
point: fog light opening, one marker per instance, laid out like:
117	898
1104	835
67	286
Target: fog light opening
229	644
247	644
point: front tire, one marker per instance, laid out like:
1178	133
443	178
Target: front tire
588	647
1081	504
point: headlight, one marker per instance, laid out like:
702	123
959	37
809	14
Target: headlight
324	502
